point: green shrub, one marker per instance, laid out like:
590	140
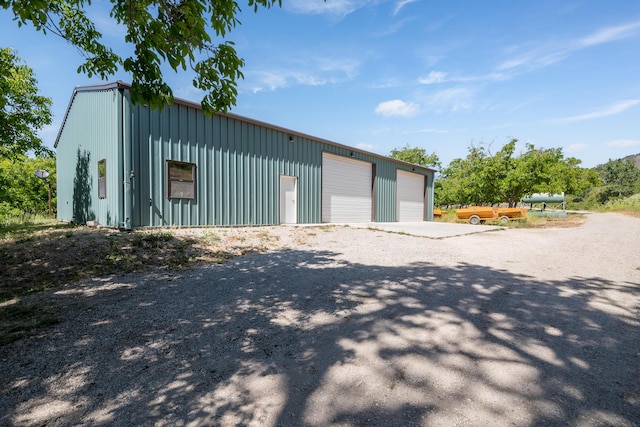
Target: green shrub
631	203
8	213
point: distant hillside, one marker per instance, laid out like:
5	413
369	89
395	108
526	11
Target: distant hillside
635	158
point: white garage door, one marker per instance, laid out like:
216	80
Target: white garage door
346	189
410	196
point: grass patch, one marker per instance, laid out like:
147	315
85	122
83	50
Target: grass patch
42	254
20	320
447	216
14	230
210	237
152	240
570	221
47	259
50	255
629	212
629	204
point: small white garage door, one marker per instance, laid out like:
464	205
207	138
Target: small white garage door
410	196
346	189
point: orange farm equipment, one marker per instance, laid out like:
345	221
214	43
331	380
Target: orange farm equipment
480	214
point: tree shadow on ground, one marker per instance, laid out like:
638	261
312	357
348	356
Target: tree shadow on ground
82	188
304	338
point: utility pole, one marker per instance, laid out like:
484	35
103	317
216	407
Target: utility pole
43	174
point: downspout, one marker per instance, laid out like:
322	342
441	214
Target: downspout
431	183
128	173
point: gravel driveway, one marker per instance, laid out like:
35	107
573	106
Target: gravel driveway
351	327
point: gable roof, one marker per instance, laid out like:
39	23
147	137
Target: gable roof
90	88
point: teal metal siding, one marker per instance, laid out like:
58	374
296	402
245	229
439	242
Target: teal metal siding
91	132
238	165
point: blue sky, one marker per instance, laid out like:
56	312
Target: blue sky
381	74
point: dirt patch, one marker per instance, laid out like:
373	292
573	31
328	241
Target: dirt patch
50	259
570	221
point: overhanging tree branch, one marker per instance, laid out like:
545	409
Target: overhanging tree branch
172	32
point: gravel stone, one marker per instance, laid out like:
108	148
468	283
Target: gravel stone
341	326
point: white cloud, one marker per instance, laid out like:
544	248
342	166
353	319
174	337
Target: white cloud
385	84
329	7
397	107
348	67
365	146
442	77
400	4
317	71
574	148
189	92
274	80
453	99
270	80
545	55
433	77
610	110
623	143
428	130
609	34
395	27
537	58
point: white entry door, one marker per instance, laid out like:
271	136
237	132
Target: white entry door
288	199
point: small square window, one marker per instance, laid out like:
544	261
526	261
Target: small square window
181	180
102	179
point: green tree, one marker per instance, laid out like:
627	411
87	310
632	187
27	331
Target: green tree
578	181
179	33
464	181
482	178
21	191
621	178
534	171
22	111
416	156
454	186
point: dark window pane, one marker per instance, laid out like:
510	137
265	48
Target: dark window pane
182	190
181	182
181	171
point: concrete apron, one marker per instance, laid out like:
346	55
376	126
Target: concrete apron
430	229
